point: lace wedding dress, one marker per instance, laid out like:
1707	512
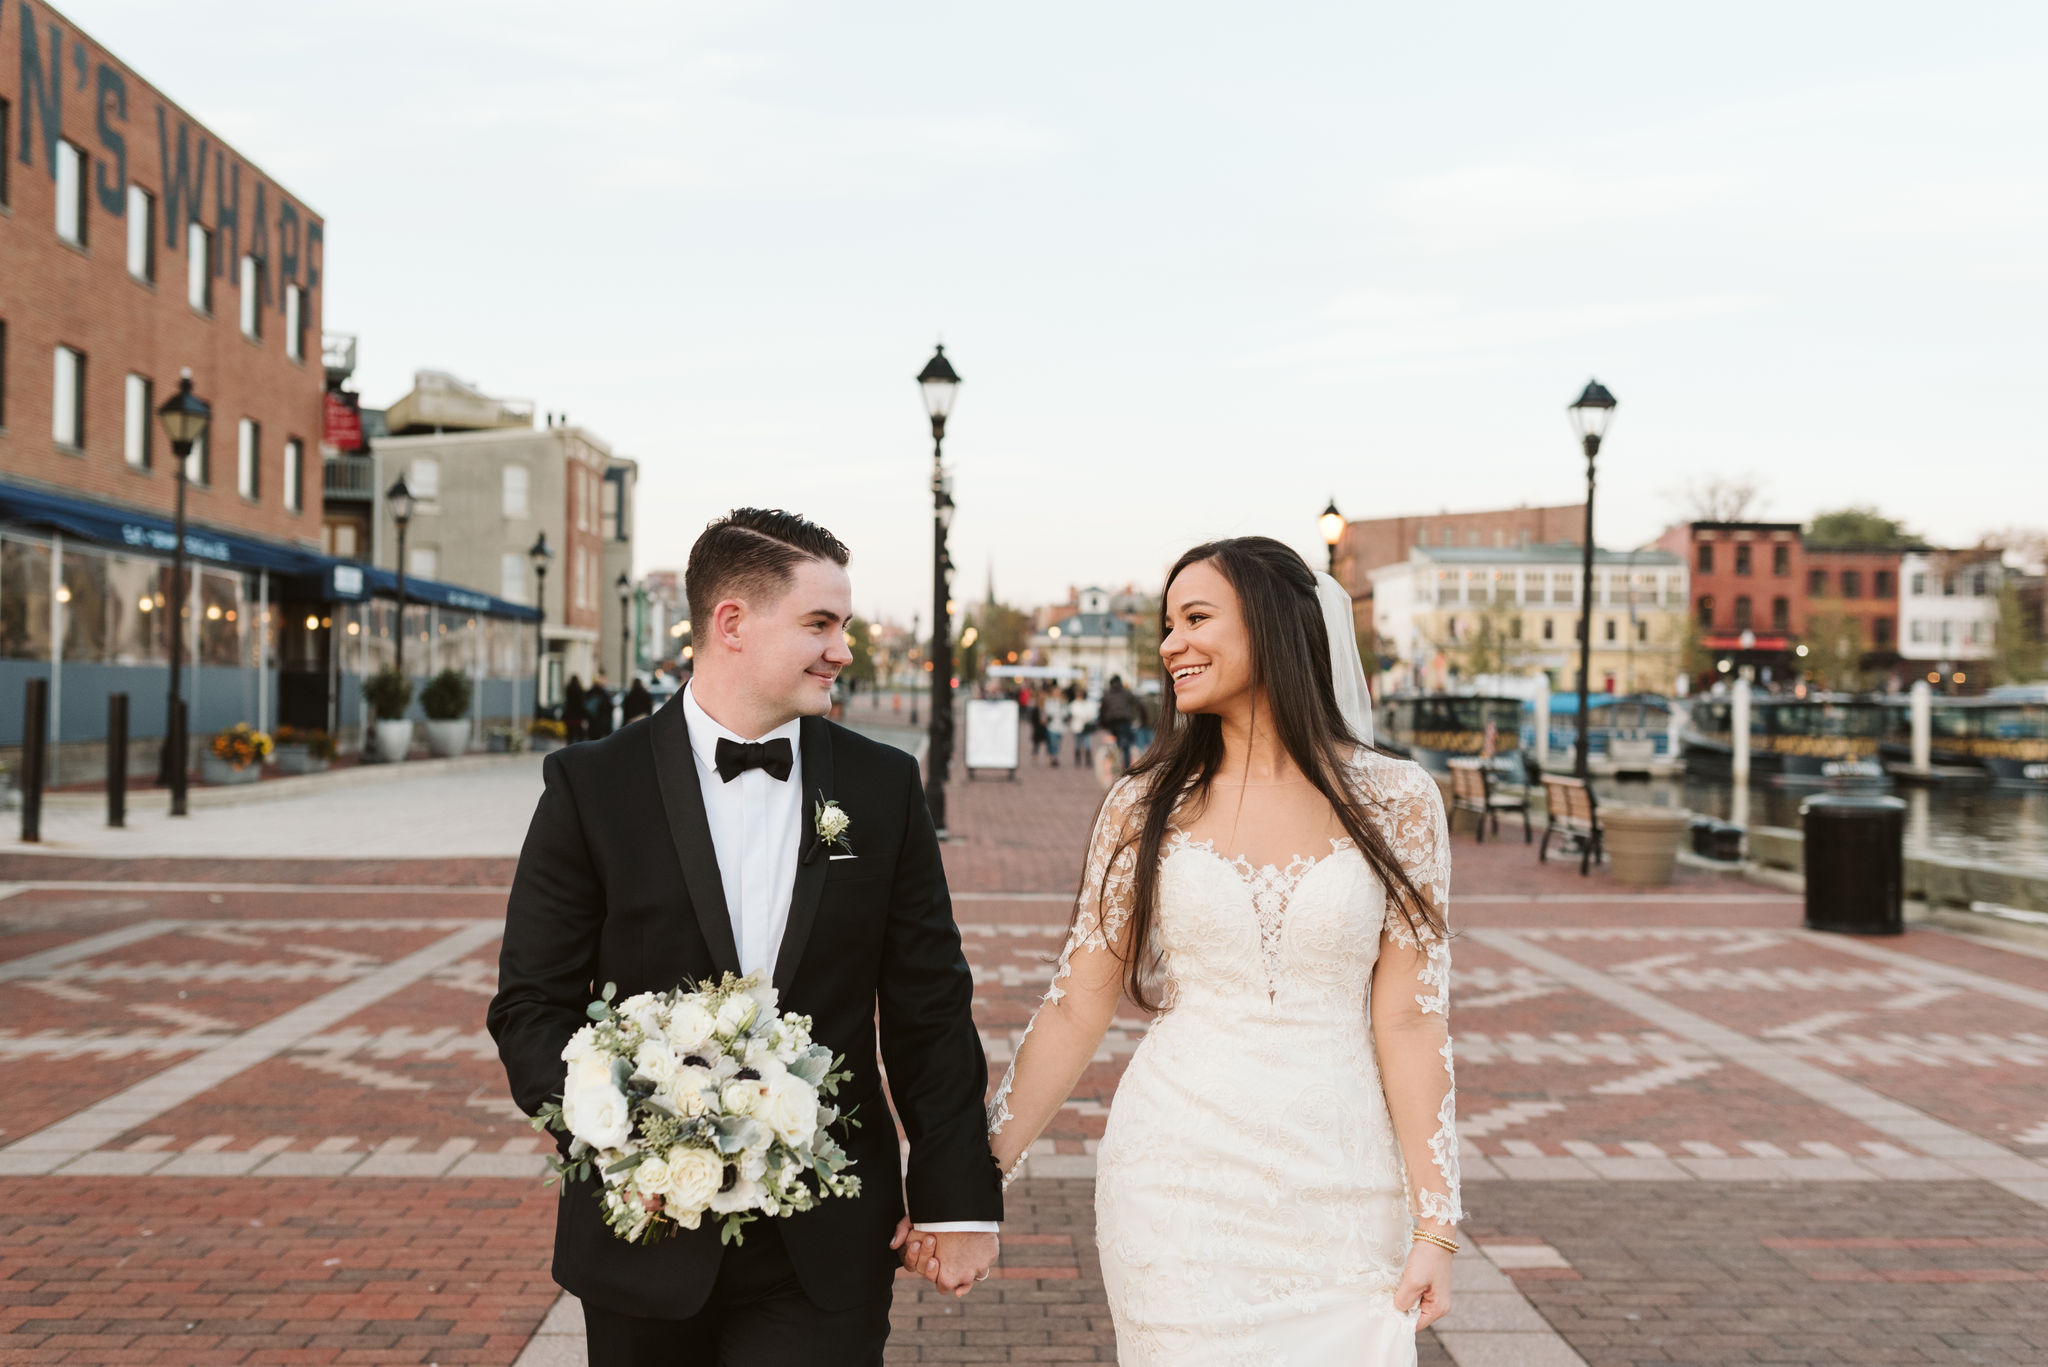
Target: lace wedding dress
1253	1202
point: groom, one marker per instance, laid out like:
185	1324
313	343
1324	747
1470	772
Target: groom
686	845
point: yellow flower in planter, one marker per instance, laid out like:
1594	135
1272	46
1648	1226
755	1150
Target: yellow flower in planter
241	745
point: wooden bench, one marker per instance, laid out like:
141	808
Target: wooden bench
1574	816
1473	790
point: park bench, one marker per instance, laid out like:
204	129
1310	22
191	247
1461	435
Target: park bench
1574	817
1473	789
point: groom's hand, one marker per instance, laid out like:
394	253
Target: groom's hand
954	1260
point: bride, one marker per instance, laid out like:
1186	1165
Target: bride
1278	1182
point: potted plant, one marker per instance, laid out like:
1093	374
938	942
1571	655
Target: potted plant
445	700
302	749
506	740
544	734
1642	841
389	693
235	755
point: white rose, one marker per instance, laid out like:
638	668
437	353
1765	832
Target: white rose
582	1044
694	1176
740	1098
753	1165
653	1176
736	1014
592	1107
643	1011
791	1110
689	1026
653	1061
685	1091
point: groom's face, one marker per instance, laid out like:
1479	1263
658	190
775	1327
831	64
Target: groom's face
795	648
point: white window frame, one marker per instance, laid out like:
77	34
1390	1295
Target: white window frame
295	474
72	166
423	477
248	455
250	280
138	413
294	323
423	562
141	234
521	505
67	398
512	578
199	461
199	267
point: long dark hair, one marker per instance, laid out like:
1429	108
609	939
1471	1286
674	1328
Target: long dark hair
1290	666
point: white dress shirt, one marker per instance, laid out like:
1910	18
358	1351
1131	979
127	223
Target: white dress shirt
756	830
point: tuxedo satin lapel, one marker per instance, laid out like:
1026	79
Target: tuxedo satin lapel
675	772
814	737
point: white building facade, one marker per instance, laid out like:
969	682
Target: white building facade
1948	610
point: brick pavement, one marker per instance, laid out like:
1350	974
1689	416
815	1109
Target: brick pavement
1840	1160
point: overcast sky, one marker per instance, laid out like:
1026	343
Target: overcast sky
1201	267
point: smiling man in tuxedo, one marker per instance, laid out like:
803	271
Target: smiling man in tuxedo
685	845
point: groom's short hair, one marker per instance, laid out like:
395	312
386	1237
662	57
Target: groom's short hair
753	553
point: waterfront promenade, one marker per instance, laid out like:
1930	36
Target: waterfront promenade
254	1117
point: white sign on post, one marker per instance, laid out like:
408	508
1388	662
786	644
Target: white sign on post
992	735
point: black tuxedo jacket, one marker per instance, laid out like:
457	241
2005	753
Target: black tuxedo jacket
618	883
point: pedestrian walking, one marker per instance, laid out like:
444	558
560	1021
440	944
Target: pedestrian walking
575	724
1081	712
639	702
597	707
1055	724
1119	709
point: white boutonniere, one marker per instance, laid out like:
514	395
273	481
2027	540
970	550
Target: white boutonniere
830	823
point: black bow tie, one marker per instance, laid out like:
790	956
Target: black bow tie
735	757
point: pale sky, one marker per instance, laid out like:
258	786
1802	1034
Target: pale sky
1200	266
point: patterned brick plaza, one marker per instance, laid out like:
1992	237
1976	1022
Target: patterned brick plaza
252	1114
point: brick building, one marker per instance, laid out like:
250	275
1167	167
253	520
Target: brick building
1369	544
1748	588
136	244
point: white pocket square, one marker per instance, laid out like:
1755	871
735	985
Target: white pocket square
835	858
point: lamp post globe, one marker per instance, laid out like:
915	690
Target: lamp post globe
538	556
939	383
1590	414
1331	525
399	499
184	417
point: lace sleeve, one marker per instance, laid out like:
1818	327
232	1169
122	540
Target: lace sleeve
1087	983
1411	994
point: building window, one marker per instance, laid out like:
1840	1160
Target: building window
1706	611
1610	628
199	268
1781	614
141	233
1564	587
512	577
611	500
1816	583
1919	631
199	464
1742	622
1980	583
1881	632
71	165
294	322
1781	559
1852	583
1549	629
1948	586
512	493
1948	631
1705	558
1642	631
294	474
1882	584
139	422
1532	587
67	399
1500	537
1421	532
423	562
423	477
5	112
1515	628
1919	586
1742	558
252	297
1447	537
248	438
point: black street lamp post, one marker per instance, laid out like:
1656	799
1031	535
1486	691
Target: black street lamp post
1331	525
184	417
940	383
539	555
1591	412
625	587
915	618
400	500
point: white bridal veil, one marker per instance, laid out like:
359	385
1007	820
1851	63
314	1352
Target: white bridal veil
1347	670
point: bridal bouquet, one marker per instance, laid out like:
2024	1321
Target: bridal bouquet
700	1101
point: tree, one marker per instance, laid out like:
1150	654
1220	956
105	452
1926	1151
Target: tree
1485	648
2016	651
1720	500
1145	641
1834	652
860	639
1858	526
2024	547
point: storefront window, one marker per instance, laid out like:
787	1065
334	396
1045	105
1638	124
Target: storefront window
85	607
220	618
379	649
24	600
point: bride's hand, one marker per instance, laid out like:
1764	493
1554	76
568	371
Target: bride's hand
1426	1280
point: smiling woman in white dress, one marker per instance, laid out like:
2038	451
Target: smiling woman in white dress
1278	1182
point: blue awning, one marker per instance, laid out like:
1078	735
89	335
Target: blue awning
132	528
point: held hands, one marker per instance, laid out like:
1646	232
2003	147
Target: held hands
951	1260
1425	1282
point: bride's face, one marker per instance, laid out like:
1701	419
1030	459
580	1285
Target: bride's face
1207	650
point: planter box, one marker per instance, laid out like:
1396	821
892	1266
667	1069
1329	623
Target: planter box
1642	842
297	759
498	743
448	738
214	769
394	738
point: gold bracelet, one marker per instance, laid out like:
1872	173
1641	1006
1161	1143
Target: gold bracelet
1450	1245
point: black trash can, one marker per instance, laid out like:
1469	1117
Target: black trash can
1855	863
